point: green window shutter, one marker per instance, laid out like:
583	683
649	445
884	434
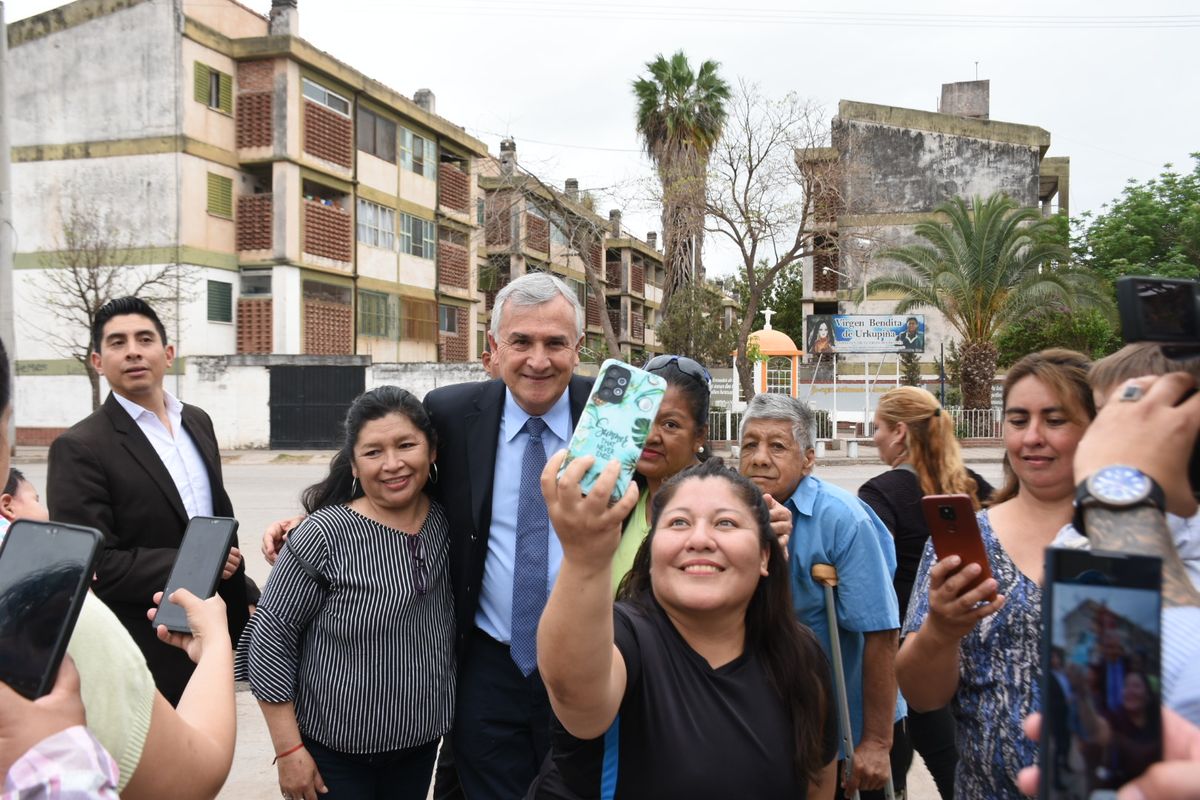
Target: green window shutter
220	195
226	100
220	301
201	83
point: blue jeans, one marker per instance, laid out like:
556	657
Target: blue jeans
393	775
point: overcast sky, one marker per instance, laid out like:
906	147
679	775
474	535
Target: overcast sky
1115	83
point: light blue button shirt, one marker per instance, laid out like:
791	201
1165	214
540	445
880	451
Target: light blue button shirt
494	616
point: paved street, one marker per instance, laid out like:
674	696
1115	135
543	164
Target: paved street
266	486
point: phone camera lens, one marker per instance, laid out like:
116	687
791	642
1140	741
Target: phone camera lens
618	392
622	381
946	512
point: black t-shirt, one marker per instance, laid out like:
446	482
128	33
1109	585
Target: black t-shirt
895	496
684	729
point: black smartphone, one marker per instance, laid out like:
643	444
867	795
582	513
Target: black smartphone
45	571
202	556
1101	691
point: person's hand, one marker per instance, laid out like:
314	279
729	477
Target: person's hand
781	522
276	534
953	612
231	564
1151	434
872	766
1176	777
24	722
299	777
587	526
206	618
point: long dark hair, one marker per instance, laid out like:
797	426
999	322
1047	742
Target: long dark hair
338	486
795	664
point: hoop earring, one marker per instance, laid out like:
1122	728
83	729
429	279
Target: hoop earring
354	488
433	472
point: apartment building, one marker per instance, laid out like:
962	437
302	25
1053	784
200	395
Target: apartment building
530	226
306	208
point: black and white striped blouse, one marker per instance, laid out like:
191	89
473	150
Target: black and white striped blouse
368	662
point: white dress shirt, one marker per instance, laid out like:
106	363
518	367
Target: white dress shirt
177	451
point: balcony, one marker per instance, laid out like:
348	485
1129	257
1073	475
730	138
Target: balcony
254	222
637	279
452	263
328	232
454	188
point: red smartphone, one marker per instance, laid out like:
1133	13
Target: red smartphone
952	526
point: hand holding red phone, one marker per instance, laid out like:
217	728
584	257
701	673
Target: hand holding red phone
953	607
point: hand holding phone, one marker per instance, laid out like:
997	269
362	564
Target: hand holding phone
206	618
202	556
45	571
616	422
954	531
24	723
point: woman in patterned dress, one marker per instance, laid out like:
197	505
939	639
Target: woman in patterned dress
979	649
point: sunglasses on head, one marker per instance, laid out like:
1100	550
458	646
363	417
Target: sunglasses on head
688	366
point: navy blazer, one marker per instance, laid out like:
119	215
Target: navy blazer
467	419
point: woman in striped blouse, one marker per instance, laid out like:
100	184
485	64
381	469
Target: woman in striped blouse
351	651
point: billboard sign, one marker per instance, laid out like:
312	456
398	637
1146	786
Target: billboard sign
864	333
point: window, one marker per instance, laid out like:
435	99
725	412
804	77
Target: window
779	375
559	236
418	237
580	289
418	154
376	315
220	301
213	88
420	320
331	100
447	319
376	135
220	195
256	284
376	225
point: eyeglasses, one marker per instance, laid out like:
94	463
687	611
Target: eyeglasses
416	552
688	366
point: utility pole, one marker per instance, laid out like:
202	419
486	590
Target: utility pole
7	330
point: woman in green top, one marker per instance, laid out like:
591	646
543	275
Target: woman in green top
675	443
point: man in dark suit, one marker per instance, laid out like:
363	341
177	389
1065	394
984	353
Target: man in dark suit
502	723
137	469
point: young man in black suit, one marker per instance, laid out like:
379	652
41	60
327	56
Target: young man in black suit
137	469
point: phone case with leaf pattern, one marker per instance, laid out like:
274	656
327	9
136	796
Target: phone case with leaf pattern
616	422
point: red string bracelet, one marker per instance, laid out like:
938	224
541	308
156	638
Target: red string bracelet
286	753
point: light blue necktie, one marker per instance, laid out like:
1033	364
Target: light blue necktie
532	562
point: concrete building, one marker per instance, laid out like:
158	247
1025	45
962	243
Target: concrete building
893	166
309	209
532	226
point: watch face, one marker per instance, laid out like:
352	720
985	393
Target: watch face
1119	486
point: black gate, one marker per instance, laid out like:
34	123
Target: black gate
308	405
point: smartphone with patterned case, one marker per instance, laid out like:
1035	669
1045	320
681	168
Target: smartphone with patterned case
615	422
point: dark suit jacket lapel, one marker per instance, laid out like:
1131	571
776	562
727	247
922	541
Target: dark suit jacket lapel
483	430
133	440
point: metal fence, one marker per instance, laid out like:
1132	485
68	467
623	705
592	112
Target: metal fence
723	426
975	423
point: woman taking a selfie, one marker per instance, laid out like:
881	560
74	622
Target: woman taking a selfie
979	649
916	439
351	651
699	682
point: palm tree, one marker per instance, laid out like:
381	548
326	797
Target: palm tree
680	116
989	265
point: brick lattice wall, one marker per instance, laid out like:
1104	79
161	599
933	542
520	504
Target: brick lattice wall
255	127
256	76
453	346
327	135
614	317
612	273
327	231
825	256
254	222
637	327
593	310
454	188
328	328
254	326
597	254
537	234
637	278
453	269
37	437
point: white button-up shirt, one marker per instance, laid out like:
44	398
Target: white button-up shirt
178	453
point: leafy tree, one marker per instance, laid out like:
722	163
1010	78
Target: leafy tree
1087	330
680	116
1152	229
693	327
910	369
990	264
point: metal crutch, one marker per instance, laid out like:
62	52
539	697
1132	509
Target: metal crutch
826	575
